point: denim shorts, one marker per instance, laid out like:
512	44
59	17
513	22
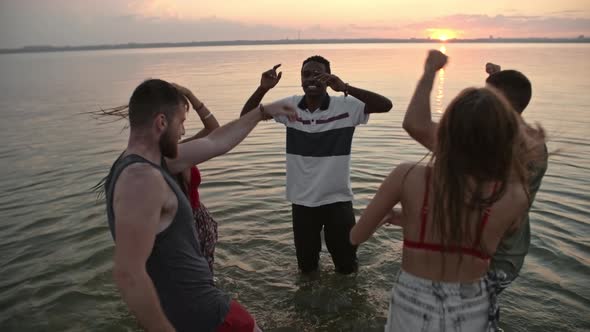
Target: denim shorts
419	304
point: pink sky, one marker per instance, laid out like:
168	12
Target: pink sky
80	22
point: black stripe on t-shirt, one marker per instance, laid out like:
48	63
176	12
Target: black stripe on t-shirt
335	142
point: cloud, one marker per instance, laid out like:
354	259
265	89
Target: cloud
570	12
508	26
379	28
155	9
463	25
172	29
161	21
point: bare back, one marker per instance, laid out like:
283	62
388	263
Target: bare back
504	216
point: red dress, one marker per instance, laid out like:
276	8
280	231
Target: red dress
205	224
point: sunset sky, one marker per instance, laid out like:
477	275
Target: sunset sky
85	22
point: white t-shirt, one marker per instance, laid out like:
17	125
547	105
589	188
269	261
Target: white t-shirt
318	149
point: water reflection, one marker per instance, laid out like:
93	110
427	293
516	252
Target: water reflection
336	302
244	189
438	100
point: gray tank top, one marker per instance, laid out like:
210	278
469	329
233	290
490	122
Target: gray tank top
178	269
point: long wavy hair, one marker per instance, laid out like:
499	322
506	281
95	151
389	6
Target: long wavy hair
479	141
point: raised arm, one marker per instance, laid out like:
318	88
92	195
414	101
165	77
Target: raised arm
225	137
138	201
207	118
374	103
388	195
269	80
418	119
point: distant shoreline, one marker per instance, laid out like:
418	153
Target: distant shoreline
49	48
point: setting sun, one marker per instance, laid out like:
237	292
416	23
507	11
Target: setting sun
442	34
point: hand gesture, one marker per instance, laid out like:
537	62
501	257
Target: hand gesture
270	78
332	81
393	217
435	61
492	68
280	108
185	91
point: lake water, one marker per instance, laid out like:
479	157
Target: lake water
56	250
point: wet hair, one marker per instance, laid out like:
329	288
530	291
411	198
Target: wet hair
319	59
150	98
514	85
478	142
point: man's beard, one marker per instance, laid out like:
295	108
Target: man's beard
168	145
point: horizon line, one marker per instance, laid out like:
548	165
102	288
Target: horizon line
287	41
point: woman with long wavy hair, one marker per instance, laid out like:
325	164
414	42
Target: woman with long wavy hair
455	211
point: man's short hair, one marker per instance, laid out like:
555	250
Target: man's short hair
151	97
514	85
319	59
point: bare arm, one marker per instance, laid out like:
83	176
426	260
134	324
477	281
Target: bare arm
207	118
418	119
374	103
225	137
269	80
388	195
254	100
209	122
138	201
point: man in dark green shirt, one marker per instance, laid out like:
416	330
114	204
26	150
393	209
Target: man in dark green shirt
509	257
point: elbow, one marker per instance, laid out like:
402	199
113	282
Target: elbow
382	107
411	128
388	105
408	126
420	134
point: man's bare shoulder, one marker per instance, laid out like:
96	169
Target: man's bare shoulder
140	180
534	139
516	197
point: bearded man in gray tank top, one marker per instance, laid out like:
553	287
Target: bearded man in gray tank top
159	268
